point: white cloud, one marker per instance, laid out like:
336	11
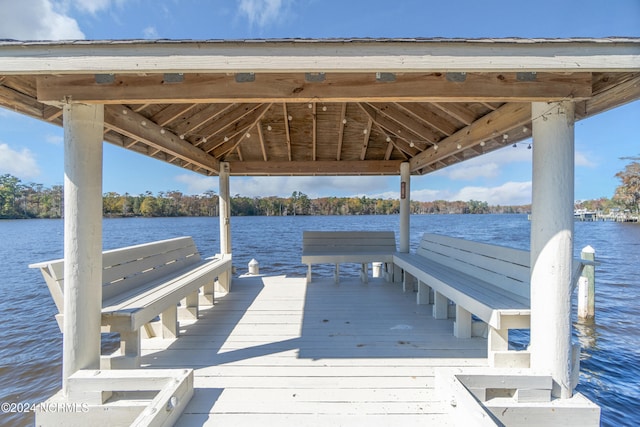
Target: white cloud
54	139
198	184
36	20
509	193
18	163
486	166
263	12
94	6
582	159
472	171
427	195
150	32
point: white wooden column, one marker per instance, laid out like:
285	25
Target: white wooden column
225	209
83	131
552	242
405	206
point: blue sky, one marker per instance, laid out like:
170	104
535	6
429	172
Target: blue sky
33	150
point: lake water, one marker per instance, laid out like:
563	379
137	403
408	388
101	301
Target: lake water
31	343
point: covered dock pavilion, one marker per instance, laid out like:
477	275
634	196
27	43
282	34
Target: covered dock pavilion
403	107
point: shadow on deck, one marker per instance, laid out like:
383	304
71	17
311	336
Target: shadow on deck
276	351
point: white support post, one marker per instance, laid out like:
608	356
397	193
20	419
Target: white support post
587	286
405	206
552	242
225	209
83	131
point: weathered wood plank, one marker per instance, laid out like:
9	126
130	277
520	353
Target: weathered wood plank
337	87
314	420
319	167
292	349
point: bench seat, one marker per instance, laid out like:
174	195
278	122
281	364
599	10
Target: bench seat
342	247
490	282
142	282
143	304
485	300
487	281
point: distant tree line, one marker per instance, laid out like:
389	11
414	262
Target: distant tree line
31	200
18	200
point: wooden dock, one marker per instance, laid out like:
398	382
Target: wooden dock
279	351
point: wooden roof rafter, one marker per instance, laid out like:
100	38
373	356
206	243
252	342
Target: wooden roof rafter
314	131
367	136
261	139
343	121
499	122
242	128
393	113
287	129
127	122
403	140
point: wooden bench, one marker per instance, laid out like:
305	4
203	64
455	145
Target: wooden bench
336	247
489	281
141	282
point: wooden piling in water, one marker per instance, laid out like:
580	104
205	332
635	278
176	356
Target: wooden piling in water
587	286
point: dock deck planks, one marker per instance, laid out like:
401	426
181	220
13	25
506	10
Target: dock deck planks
279	351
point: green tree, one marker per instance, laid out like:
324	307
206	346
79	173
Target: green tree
149	206
10	191
628	192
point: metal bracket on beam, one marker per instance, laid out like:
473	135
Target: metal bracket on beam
457	77
245	77
526	77
314	77
173	78
105	79
385	77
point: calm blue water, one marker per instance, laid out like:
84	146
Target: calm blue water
31	344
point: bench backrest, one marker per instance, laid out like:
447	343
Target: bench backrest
348	241
501	266
125	269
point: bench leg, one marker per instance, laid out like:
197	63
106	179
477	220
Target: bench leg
147	331
397	274
308	273
388	272
130	349
440	306
408	282
224	279
462	325
336	274
498	344
498	339
190	308
169	321
208	293
364	273
424	292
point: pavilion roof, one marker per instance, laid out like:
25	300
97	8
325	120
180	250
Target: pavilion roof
317	107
